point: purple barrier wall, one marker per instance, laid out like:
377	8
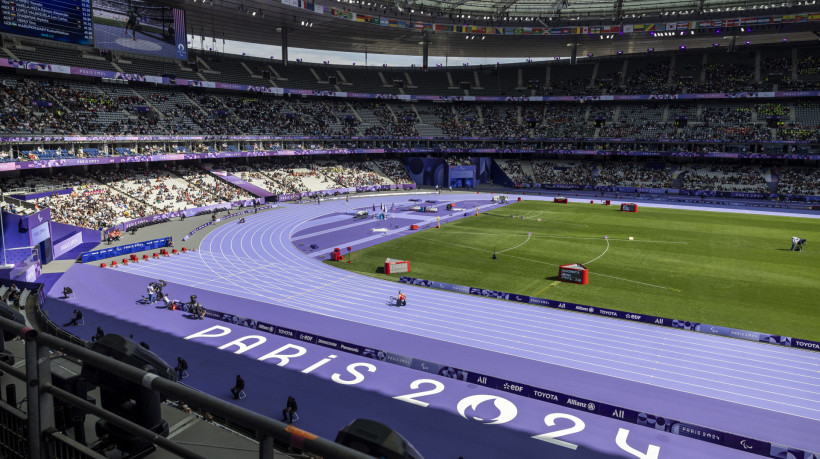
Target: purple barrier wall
44	194
358	189
187	212
63	246
234	180
66	237
43	164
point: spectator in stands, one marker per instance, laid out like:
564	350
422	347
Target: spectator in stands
181	368
100	333
290	410
78	316
238	387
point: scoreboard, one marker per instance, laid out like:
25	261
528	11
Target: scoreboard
65	20
575	273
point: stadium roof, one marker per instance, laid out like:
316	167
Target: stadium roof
258	21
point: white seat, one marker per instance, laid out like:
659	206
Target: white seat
242	394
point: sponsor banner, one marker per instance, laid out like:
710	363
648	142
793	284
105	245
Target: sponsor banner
753	446
805	344
125	249
698	432
426	366
624	315
581	404
395	359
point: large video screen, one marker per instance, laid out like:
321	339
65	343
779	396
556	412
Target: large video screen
140	26
64	20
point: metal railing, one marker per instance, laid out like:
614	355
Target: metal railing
40	408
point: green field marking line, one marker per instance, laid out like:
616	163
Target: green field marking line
565	237
519	245
599	256
543	290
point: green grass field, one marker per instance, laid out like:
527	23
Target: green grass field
734	270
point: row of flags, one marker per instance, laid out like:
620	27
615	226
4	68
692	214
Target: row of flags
581	30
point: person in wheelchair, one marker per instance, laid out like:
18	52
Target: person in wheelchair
401	300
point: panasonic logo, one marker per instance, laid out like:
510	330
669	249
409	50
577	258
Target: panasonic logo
350	349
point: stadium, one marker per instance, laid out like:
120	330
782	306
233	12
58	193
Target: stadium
411	229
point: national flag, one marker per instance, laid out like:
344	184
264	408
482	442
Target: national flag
639	27
814	17
800	18
731	22
499	31
672	26
459	29
518	31
393	22
788	19
384	22
684	25
428	26
628	28
446	28
748	21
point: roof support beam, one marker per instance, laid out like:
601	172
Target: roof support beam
619	9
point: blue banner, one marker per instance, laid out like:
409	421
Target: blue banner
126	249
